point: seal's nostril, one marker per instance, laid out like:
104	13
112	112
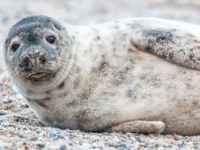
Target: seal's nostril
42	59
25	64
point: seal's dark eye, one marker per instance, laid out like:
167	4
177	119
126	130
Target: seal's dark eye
15	47
51	39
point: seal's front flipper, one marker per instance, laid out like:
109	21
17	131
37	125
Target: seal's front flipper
139	127
181	47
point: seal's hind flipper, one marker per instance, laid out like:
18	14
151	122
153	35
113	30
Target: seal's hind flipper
139	127
174	45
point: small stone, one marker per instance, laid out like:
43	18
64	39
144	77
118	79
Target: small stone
32	138
10	100
63	147
122	145
118	145
180	143
2	112
41	145
1	148
21	135
194	139
5	130
176	137
24	105
151	146
52	134
86	146
96	140
55	138
25	147
181	149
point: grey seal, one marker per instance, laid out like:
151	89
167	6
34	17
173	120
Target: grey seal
132	75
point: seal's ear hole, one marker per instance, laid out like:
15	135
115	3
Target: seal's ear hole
6	42
58	28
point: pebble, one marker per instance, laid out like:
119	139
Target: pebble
194	139
21	135
2	112
41	145
177	137
1	148
180	143
63	147
32	138
151	146
118	145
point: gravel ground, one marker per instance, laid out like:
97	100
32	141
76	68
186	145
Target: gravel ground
19	127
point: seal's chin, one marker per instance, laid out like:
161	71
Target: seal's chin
39	76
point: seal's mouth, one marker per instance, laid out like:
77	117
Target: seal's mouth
39	76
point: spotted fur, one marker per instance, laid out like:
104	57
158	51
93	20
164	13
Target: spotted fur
132	75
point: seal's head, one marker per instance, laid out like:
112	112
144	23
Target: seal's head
34	48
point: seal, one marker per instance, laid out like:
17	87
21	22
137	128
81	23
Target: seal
133	75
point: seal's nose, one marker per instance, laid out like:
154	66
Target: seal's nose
33	60
35	54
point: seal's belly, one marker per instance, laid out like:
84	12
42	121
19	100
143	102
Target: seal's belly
144	87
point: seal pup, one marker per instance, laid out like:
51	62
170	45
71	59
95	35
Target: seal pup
133	75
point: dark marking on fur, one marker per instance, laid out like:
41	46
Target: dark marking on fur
116	27
155	37
61	85
74	103
63	94
129	93
95	58
76	84
30	91
48	92
134	44
102	65
103	56
191	57
195	103
98	37
82	118
85	95
171	56
130	50
119	80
